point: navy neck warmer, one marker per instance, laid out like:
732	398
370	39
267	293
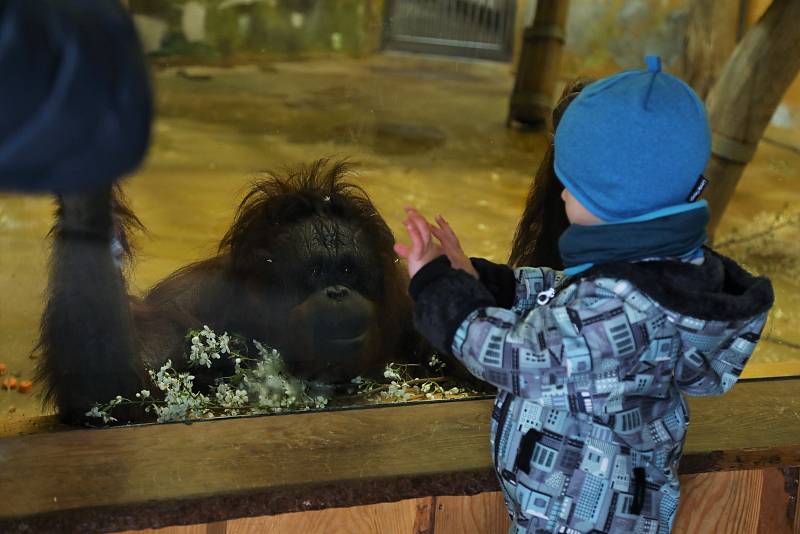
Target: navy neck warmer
675	232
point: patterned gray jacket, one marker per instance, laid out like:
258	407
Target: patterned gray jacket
589	423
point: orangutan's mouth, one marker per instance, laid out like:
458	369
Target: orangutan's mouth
333	359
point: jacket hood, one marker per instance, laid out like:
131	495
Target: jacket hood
718	308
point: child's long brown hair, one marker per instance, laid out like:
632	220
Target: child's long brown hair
544	219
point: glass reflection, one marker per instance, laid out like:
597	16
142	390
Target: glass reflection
247	86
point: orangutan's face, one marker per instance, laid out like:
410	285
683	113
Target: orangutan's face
324	283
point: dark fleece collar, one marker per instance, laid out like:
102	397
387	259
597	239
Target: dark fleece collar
670	236
717	290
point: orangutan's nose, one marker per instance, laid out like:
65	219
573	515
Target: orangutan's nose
337	292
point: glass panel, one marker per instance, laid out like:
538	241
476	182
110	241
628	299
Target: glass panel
303	266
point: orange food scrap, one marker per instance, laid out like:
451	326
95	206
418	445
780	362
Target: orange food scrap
3	369
25	386
10	383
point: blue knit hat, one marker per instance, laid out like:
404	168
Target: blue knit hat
633	143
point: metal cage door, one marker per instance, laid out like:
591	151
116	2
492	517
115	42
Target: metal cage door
480	29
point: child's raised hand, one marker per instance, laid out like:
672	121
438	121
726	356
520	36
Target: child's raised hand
452	247
423	250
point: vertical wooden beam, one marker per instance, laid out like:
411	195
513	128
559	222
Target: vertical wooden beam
744	98
374	25
754	11
520	19
539	65
711	35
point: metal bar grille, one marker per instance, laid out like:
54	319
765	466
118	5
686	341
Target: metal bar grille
480	29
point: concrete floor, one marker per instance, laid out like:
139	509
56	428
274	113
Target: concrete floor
426	132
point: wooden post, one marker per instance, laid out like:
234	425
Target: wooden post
539	65
711	36
746	95
520	18
374	26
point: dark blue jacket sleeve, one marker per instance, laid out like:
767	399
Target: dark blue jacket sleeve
75	95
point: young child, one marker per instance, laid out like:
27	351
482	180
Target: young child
589	424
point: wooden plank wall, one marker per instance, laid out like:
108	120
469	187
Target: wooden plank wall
761	501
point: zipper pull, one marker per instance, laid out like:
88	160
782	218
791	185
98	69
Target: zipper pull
545	296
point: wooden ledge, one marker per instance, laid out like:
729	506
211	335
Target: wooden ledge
158	475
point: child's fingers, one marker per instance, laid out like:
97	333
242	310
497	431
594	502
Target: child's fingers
402	250
412	213
417	243
443	238
405	250
446	248
419	218
419	222
444	225
420	228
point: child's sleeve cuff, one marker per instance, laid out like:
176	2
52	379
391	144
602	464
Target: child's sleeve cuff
444	297
429	273
498	279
